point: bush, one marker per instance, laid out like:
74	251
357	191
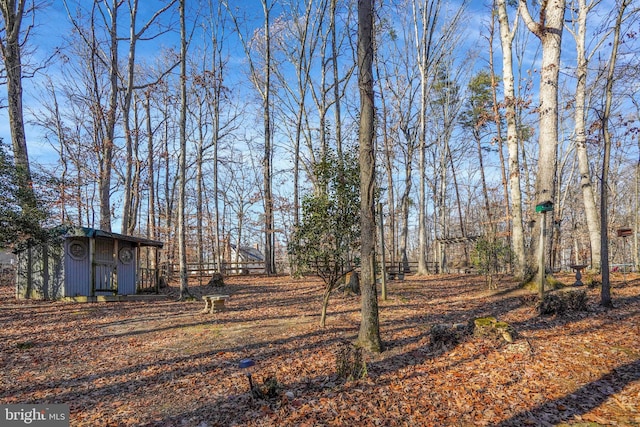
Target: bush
561	302
448	335
489	256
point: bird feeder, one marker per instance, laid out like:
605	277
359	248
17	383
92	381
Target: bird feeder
624	232
544	207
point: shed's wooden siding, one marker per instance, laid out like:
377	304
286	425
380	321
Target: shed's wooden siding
77	268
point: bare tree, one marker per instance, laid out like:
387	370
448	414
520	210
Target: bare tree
580	133
241	194
102	63
182	192
636	196
297	42
263	85
400	94
497	119
135	35
549	30
267	160
151	179
431	42
369	335
605	294
506	39
426	19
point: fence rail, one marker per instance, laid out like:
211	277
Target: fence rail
206	269
246	268
148	280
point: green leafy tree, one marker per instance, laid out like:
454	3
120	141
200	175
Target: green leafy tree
328	234
489	256
18	224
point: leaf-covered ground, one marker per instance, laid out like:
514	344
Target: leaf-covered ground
165	363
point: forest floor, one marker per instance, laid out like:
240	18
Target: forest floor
165	363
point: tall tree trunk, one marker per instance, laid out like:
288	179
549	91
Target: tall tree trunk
483	179
605	294
336	82
216	190
12	14
586	183
182	194
405	204
424	36
169	190
636	249
200	191
389	172
517	237
64	149
131	198
369	334
441	208
498	121
549	31
151	219
110	126
463	231
267	169
128	223
218	66
137	173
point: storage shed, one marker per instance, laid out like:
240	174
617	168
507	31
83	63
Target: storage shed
86	263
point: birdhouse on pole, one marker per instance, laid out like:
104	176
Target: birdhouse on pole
624	232
544	206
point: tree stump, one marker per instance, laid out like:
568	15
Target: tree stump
216	281
352	282
349	362
492	328
162	282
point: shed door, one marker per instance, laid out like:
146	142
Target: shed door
104	267
126	268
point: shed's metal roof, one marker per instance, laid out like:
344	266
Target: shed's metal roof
94	232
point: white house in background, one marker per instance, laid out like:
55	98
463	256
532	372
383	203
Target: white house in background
244	260
7	259
8	263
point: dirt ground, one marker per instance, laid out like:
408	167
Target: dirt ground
166	363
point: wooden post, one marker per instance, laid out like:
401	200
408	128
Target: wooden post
156	271
542	208
45	271
92	266
383	280
27	292
541	269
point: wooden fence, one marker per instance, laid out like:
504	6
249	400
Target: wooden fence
247	268
207	269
